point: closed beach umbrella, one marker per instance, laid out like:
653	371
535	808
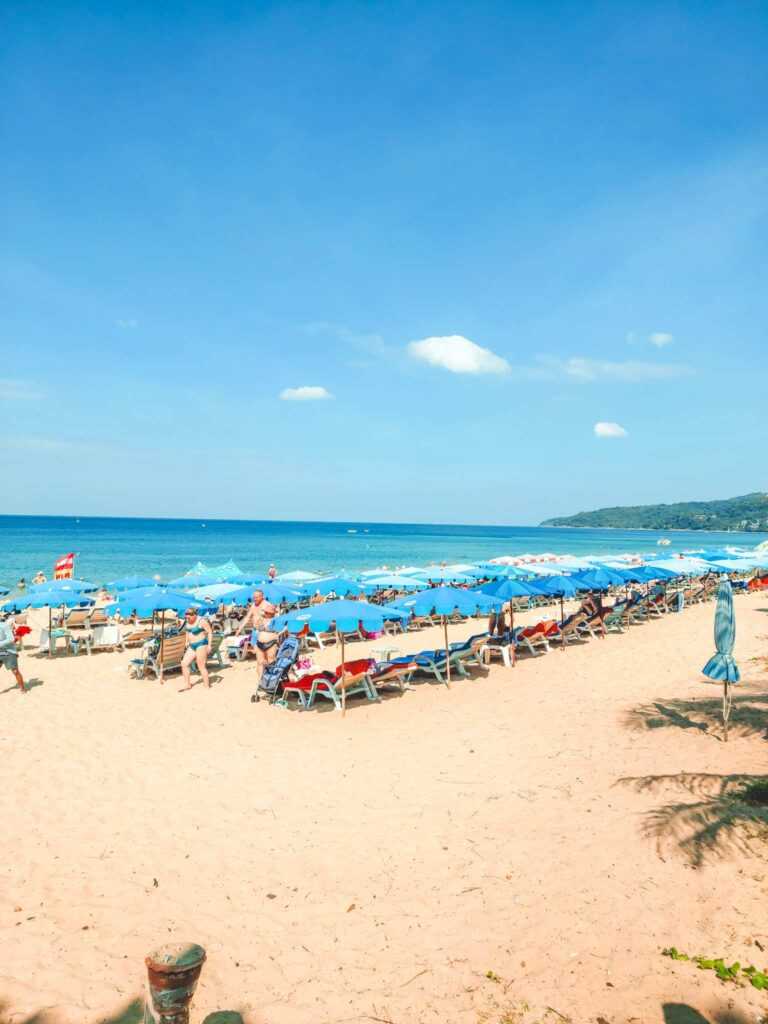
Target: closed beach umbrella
722	666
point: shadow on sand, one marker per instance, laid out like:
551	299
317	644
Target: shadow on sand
749	715
682	1013
729	812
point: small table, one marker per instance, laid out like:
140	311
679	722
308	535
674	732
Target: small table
384	653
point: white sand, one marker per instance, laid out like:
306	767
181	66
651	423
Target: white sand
375	867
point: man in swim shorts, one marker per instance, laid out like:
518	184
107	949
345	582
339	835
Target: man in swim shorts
259	619
9	657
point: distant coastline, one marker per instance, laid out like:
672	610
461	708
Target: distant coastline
747	513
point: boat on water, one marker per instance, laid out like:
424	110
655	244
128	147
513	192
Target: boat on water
663	542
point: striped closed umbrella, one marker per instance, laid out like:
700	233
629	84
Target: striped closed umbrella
722	665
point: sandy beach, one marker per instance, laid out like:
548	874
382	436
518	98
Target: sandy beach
501	852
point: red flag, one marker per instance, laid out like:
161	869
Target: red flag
64	569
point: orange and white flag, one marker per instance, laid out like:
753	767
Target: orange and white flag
64	569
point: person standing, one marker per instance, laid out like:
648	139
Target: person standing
9	656
272	572
259	619
199	640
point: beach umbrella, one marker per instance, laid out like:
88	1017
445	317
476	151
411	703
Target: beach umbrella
507	590
148	601
561	587
131	583
246	579
191	580
275	593
297	576
344	616
394	582
339	585
51	599
444	601
214	592
79	586
722	666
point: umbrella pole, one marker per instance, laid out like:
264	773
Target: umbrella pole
562	610
447	652
162	635
343	686
726	708
50	632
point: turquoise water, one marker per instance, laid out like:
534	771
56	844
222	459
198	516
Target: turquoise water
108	548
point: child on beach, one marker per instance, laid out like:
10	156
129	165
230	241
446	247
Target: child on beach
9	657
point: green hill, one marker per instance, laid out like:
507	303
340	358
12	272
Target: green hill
749	512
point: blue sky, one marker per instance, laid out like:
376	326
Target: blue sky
483	229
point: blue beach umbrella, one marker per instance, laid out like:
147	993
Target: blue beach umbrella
444	601
507	590
51	599
132	583
193	580
339	585
393	582
80	586
297	576
722	666
344	616
275	593
147	601
246	579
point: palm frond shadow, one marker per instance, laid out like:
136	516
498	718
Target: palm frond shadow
749	715
682	1013
722	821
131	1013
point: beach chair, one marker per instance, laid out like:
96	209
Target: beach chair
503	646
348	679
322	638
77	618
535	639
614	620
98	617
384	674
104	638
166	657
568	631
137	637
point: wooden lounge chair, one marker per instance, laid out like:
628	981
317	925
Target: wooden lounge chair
77	618
98	617
167	658
137	637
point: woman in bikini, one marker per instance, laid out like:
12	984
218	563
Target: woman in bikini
199	639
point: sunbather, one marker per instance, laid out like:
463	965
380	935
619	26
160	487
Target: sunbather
199	640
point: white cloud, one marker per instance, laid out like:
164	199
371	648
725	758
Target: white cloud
609	430
18	391
127	325
630	370
305	394
458	354
661	338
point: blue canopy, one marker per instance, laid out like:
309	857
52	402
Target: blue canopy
71	585
591	580
447	600
436	574
132	583
195	579
275	593
297	576
560	586
393	582
505	590
721	666
333	585
246	579
346	615
148	600
60	598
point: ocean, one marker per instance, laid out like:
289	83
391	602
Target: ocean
107	548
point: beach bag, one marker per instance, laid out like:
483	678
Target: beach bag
274	674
